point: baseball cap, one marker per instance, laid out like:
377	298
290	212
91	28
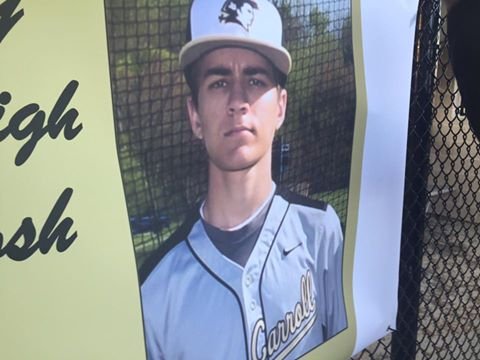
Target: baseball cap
252	24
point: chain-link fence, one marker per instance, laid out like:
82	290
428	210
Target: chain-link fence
439	302
164	168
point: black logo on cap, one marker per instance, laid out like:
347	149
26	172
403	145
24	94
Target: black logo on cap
238	11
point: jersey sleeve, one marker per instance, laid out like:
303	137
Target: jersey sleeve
336	312
153	348
151	331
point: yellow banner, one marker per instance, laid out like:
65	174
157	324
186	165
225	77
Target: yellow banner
68	278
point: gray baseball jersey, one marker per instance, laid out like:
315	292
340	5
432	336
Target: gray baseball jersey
287	300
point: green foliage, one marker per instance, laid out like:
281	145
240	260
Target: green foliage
318	21
319	125
140	24
135	183
147	242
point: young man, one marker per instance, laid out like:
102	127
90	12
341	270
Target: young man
255	273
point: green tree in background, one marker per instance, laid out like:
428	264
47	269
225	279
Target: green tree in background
320	116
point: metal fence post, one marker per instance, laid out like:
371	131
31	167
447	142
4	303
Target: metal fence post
404	340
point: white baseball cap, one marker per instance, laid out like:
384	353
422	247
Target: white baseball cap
252	24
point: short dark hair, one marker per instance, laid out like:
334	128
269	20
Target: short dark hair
191	78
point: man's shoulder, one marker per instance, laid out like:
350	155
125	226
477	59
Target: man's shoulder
174	242
311	213
298	199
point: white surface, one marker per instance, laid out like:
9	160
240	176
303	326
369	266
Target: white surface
388	29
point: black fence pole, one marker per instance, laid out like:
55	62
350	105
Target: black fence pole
404	340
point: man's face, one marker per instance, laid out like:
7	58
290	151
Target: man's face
239	108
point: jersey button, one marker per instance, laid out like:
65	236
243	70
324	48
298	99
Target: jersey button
248	280
253	305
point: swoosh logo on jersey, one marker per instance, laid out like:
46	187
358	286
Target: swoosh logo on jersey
288	251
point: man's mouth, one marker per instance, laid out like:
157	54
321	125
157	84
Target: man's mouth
237	130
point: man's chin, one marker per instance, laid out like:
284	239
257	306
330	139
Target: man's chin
237	165
242	159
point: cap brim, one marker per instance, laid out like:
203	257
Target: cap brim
193	50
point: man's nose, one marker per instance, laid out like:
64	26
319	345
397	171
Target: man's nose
238	100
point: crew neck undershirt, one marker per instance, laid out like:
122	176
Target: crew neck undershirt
238	242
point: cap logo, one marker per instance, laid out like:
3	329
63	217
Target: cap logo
239	12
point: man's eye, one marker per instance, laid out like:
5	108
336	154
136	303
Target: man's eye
218	84
256	82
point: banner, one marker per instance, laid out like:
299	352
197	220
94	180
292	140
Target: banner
69	283
68	280
384	43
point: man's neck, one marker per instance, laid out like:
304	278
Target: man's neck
234	196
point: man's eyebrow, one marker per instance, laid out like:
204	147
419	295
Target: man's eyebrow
257	70
217	71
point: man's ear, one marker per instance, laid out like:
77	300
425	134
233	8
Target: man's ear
282	107
195	122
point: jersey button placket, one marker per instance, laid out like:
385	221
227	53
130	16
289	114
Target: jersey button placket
251	298
250	292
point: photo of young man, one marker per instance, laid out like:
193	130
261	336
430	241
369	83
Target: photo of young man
256	271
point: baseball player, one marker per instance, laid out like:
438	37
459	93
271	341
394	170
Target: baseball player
255	272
